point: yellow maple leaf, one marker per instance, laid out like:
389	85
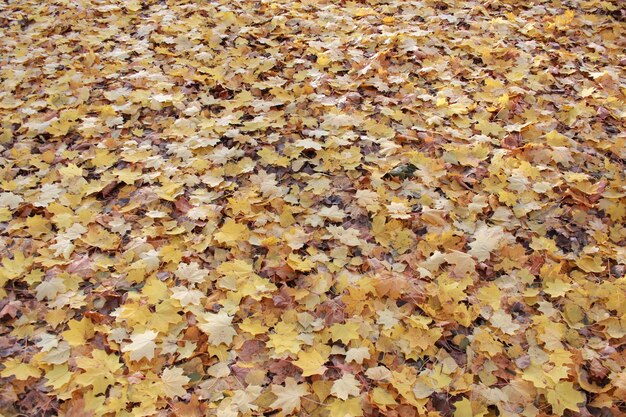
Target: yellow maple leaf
18	369
504	322
382	397
165	314
288	397
58	376
347	408
463	262
465	408
358	354
591	264
101	238
564	397
142	345
100	370
187	296
50	288
14	268
231	233
300	264
218	326
154	289
174	382
285	338
79	332
345	331
237	268
486	239
253	325
345	387
311	362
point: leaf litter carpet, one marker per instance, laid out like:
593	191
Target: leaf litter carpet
313	208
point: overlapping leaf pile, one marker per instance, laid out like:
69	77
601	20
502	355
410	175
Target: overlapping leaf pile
314	208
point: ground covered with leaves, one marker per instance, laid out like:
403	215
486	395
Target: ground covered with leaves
314	208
